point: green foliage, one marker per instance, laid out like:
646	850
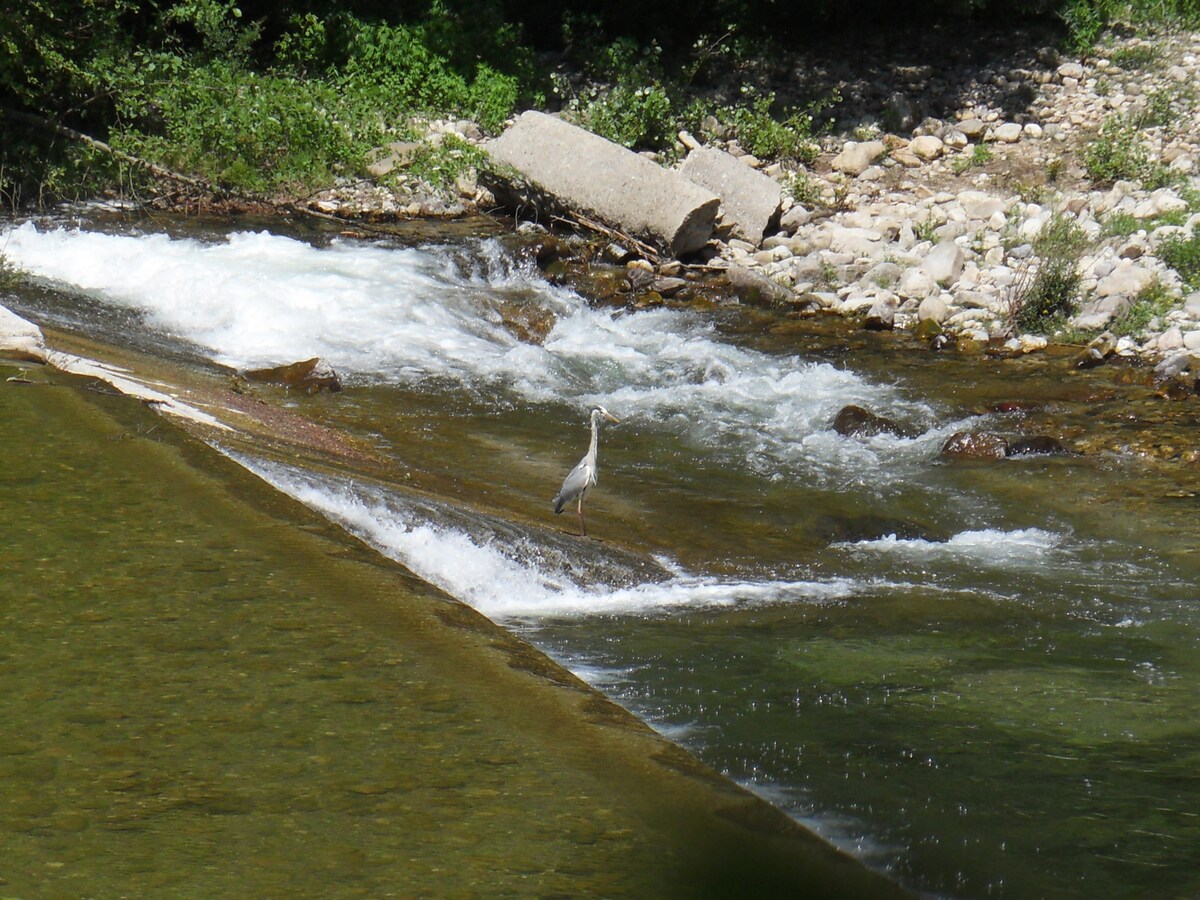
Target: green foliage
1122	224
1139	56
266	96
441	165
640	117
802	188
789	137
182	84
1164	108
218	27
1150	304
1183	255
630	101
395	67
638	101
1119	152
1040	303
981	155
247	131
926	230
1087	20
10	275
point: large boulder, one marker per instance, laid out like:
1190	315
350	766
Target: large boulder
555	166
750	200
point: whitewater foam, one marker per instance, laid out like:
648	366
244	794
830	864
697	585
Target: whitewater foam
1020	548
510	580
404	315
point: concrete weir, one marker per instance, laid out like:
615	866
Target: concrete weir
561	165
379	719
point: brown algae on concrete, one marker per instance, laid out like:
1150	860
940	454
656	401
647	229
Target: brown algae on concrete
209	690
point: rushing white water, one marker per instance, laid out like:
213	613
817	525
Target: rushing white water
507	580
1026	548
405	315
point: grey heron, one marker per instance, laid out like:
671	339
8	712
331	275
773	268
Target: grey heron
581	479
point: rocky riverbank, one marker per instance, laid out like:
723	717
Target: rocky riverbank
927	207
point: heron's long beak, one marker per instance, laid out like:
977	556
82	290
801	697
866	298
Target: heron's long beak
611	418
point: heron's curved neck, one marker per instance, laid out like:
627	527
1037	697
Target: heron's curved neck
595	435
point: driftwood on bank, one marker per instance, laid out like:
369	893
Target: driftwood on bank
78	136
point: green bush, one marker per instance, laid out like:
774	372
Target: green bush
1087	20
243	130
440	166
1044	302
1183	255
981	155
640	117
1122	224
1119	152
1150	304
770	138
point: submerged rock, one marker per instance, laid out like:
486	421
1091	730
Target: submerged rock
309	375
1036	445
852	529
529	323
1099	350
975	445
854	421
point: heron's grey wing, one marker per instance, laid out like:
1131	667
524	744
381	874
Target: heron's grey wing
576	482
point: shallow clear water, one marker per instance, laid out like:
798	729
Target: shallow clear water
980	678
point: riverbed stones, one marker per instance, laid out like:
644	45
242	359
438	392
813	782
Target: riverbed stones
757	289
933	309
855	158
559	165
972	128
944	264
1008	133
927	147
750	200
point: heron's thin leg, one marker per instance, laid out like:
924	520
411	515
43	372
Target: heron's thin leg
582	527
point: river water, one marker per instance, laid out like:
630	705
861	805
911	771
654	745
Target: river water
981	679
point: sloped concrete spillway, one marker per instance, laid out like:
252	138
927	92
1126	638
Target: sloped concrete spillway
209	690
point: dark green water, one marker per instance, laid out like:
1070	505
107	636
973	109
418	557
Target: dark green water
208	692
